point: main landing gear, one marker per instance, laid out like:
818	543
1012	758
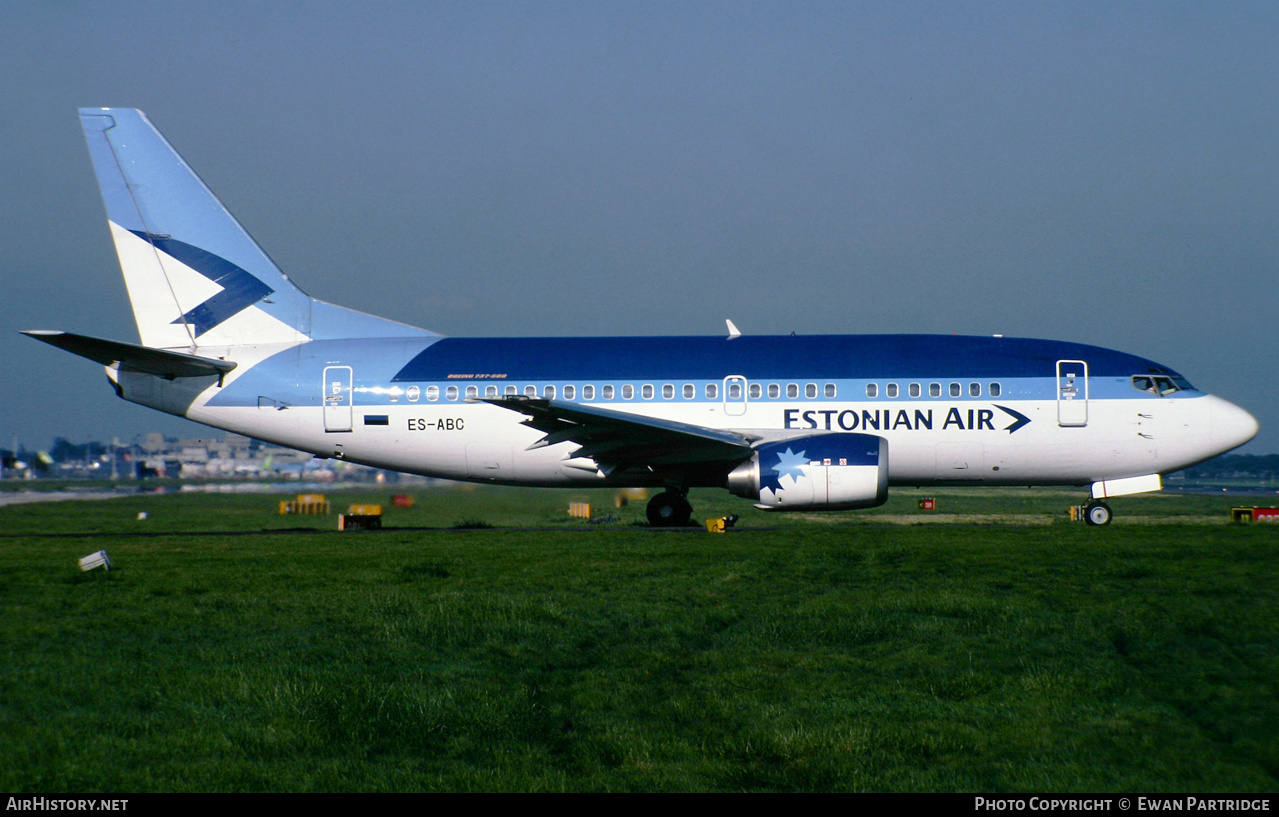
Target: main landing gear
669	509
1097	512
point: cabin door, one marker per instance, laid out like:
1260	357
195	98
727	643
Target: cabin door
1072	393
735	396
337	398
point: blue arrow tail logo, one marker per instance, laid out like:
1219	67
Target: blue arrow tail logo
240	289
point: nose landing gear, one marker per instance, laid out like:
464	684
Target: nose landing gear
1097	513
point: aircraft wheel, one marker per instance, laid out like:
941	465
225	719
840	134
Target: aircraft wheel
669	510
1097	513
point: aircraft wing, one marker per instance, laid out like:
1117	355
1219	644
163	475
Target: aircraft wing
617	440
134	358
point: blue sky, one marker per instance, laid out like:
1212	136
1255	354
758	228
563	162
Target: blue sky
1098	172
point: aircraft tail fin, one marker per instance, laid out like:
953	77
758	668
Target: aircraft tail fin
195	277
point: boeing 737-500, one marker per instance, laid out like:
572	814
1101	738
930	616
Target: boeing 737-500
826	422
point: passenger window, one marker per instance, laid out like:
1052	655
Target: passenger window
955	391
510	391
588	392
530	391
774	391
792	390
995	389
872	389
628	392
432	393
974	390
608	392
810	390
548	392
712	391
690	391
890	390
472	392
830	389
668	391
451	392
914	390
490	391
734	391
570	392
934	390
756	391
414	394
647	391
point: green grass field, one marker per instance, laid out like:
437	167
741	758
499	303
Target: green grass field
484	641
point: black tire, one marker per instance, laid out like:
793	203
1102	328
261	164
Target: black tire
669	510
1097	513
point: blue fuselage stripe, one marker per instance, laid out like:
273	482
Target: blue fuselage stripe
817	357
388	371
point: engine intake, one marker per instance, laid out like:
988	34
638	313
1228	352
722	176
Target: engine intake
832	472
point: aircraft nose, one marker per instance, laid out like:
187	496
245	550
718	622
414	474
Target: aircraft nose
1231	425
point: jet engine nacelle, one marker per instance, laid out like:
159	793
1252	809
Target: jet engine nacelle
832	472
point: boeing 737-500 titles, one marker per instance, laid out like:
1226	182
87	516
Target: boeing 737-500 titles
827	422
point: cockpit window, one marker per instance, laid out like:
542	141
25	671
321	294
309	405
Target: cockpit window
1162	385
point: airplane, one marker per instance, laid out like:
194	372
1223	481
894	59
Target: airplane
822	422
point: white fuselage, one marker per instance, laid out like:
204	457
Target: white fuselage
930	440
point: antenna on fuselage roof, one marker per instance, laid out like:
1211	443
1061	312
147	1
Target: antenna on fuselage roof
733	331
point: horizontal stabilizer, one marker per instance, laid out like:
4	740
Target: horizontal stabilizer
134	358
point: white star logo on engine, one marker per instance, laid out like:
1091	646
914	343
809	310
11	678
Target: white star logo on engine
790	463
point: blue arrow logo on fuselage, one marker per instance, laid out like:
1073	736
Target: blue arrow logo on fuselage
1019	419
